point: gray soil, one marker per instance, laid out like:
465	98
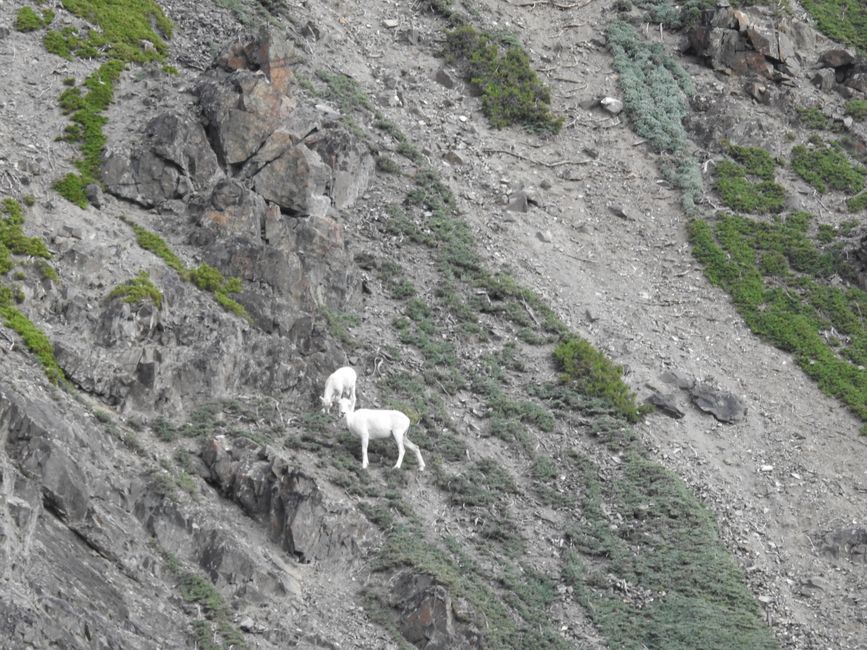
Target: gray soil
780	482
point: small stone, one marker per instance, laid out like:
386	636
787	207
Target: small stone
444	79
612	105
767	468
390	23
246	625
545	184
545	236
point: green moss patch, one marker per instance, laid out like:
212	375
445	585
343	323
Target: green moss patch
857	109
85	129
13	241
205	277
28	20
512	93
745	183
595	375
779	281
814	118
827	167
647	564
137	290
842	20
121	33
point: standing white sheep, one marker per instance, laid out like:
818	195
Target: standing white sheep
370	424
338	384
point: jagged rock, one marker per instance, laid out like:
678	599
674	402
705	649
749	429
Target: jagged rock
173	160
297	181
286	500
724	406
836	58
825	79
232	210
665	403
268	51
677	378
93	192
758	91
350	162
857	81
426	614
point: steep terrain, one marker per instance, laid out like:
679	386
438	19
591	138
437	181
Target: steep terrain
305	185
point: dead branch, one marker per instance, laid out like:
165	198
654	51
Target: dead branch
559	163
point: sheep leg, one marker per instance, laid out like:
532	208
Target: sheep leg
414	447
365	438
400	450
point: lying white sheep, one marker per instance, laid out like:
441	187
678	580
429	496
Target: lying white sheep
341	382
372	423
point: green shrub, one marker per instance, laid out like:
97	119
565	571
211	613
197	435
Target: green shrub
33	337
150	241
814	118
759	194
828	168
857	203
779	282
857	108
842	20
13	241
655	88
512	93
595	375
138	289
27	20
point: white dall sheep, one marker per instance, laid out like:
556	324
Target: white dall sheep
341	382
370	424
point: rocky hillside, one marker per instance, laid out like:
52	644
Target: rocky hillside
609	257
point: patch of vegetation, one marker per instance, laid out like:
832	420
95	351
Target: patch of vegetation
33	337
339	323
205	277
483	484
857	109
746	183
122	33
387	165
344	91
842	20
27	20
857	203
655	88
512	93
13	241
209	279
85	129
132	31
257	419
214	620
150	241
778	280
673	585
596	376
519	626
137	290
827	167
814	118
